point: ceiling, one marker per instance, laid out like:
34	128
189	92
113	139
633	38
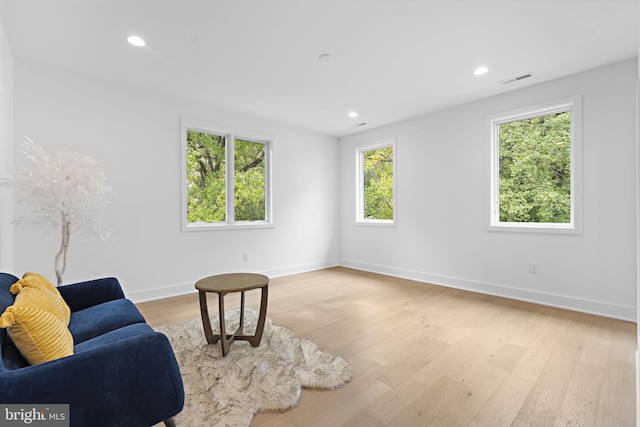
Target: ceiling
391	59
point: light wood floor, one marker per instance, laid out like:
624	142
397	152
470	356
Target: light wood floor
425	355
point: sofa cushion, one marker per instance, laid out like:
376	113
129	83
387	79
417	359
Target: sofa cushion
11	357
39	282
102	318
33	324
6	297
114	336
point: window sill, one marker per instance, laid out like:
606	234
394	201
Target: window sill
226	226
376	223
535	228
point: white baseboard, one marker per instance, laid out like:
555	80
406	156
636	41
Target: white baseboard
561	301
186	288
304	268
571	303
159	293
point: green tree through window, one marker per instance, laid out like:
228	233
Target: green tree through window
207	186
535	169
249	181
377	180
206	177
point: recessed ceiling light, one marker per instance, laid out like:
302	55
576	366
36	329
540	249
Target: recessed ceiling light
136	41
480	71
325	57
353	114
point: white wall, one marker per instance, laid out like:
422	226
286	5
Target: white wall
136	137
6	152
443	191
443	162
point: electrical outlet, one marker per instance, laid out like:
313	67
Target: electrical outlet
533	267
245	256
375	251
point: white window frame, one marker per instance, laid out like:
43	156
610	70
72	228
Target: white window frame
573	104
231	134
360	150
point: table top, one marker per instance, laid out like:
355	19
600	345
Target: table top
232	282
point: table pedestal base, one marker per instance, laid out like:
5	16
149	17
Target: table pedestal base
227	339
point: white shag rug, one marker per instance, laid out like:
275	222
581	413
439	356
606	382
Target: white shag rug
228	391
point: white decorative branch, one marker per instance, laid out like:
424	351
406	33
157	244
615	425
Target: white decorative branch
64	192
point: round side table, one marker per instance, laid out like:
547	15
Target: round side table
222	284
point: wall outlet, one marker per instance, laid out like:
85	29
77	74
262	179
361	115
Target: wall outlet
533	267
375	251
245	256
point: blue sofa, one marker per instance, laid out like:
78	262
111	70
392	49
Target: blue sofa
122	372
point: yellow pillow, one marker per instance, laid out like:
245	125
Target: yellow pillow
35	328
39	282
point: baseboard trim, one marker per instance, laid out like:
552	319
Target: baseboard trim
160	293
302	268
599	308
187	288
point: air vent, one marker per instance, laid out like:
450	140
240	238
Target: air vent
516	79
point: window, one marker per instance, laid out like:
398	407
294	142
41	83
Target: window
536	161
376	183
226	177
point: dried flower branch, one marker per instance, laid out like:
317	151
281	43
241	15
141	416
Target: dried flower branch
64	191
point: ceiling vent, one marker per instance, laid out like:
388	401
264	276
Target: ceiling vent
515	79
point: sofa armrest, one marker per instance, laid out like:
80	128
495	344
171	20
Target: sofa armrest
81	295
134	382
